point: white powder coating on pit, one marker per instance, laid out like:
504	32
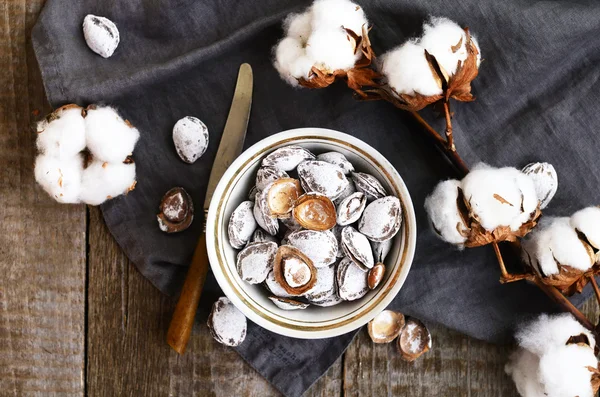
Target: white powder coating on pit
386	326
369	185
338	159
256	261
101	35
241	225
276	289
227	324
321	177
352	281
349	190
357	247
382	219
285	304
266	175
414	338
175	208
296	272
381	250
190	136
325	285
320	247
351	208
161	224
287	158
337	232
262	217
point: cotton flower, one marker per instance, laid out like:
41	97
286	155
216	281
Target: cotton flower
102	181
318	38
523	367
408	72
338	13
500	196
298	26
60	178
550	331
109	137
64	136
60	168
554	358
499	204
330	49
444	214
564	373
587	221
447	42
291	60
555	243
422	69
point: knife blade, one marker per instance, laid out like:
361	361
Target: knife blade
234	133
230	147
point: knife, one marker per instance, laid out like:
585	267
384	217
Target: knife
232	143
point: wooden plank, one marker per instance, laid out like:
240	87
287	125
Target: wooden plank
127	352
486	370
42	289
377	370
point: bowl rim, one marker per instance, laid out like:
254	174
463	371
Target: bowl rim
405	258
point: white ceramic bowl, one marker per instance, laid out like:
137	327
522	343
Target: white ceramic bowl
314	322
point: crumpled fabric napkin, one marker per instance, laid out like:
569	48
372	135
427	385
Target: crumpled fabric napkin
537	96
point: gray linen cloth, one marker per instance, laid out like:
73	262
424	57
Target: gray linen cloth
537	100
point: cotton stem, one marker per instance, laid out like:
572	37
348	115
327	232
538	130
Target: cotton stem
559	298
452	155
449	136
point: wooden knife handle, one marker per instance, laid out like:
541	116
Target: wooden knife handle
185	312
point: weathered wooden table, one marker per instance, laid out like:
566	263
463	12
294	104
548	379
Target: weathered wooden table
77	318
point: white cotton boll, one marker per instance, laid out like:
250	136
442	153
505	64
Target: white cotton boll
291	61
109	137
552	241
337	13
443	212
439	36
587	221
63	137
60	178
494	196
102	181
529	198
550	331
298	26
331	50
565	246
523	368
476	43
563	371
408	72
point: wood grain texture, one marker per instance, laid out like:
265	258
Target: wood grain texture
48	347
42	244
127	325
